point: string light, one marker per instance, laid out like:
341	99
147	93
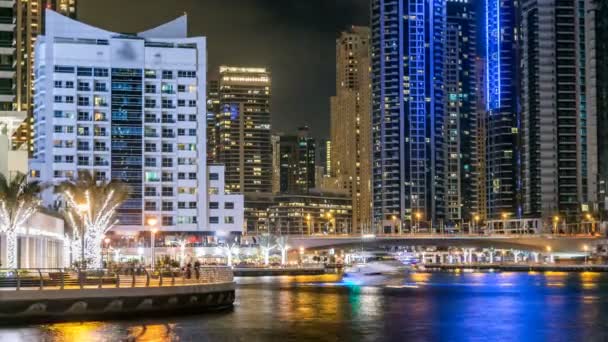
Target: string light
12	221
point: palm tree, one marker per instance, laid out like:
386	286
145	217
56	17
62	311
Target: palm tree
18	202
92	205
283	247
266	243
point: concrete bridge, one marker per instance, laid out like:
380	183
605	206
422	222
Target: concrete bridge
554	243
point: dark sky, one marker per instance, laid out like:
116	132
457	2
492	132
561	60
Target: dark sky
294	38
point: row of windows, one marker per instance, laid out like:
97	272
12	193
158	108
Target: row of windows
168	118
98	101
168	103
82	71
168	147
168	220
152	176
104	72
216	220
82	86
168	162
216	205
168	191
167	88
168	206
169	133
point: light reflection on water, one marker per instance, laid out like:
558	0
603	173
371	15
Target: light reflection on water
420	306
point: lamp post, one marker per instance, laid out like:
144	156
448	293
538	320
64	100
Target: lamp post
107	241
591	222
308	223
550	254
476	220
152	221
418	216
555	223
586	249
504	222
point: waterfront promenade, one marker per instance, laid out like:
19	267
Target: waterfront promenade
61	294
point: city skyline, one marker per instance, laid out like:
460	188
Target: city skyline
303	49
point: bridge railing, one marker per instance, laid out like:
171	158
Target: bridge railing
64	278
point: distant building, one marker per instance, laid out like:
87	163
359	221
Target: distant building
350	149
226	211
596	34
213	112
309	214
503	167
30	22
244	145
461	124
127	107
558	131
295	162
408	113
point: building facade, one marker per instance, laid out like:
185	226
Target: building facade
29	24
503	122
127	107
315	213
596	34
351	121
225	210
243	128
461	123
295	162
559	158
408	112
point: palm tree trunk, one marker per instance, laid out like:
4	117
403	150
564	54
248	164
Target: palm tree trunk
11	249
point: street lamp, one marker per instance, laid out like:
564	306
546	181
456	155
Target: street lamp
586	249
476	219
152	221
555	222
107	241
418	216
308	223
548	248
591	221
504	217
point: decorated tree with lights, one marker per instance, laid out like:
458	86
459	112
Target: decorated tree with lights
267	244
18	202
230	249
92	205
283	247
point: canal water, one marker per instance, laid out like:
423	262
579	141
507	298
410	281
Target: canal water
414	307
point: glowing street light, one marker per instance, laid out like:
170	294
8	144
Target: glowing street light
152	221
586	249
476	218
555	222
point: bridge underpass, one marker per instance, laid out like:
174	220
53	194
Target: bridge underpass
557	244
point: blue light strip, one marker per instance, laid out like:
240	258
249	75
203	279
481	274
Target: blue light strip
493	84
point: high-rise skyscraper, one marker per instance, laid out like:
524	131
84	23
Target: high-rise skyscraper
295	162
29	24
558	133
408	112
461	124
596	34
7	70
243	128
480	169
503	122
351	122
213	109
132	108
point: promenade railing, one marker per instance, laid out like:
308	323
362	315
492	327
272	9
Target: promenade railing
132	277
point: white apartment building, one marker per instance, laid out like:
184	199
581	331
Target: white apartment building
127	107
225	210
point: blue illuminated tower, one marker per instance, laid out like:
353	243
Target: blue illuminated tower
408	108
503	159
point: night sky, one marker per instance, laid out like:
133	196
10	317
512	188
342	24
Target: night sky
294	38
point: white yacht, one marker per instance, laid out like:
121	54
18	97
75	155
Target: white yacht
374	264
